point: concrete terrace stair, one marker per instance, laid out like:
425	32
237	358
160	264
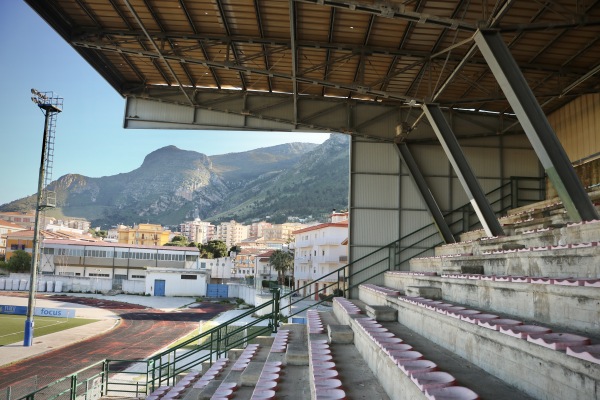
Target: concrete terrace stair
398	384
294	382
539	371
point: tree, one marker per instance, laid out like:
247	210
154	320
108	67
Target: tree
281	261
179	241
20	261
213	249
236	249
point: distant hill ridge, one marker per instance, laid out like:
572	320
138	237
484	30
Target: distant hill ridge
298	179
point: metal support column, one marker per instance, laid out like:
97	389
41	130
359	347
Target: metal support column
419	180
536	126
463	170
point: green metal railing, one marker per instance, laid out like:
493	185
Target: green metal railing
165	367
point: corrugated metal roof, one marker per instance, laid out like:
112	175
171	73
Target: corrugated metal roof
378	51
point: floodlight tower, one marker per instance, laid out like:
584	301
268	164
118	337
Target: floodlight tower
51	105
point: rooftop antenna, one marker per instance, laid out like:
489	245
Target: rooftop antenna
51	105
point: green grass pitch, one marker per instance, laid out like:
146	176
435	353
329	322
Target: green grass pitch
12	326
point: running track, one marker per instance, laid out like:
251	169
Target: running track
142	332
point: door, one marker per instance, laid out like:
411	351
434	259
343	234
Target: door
159	287
216	290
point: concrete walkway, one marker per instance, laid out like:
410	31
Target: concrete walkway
107	320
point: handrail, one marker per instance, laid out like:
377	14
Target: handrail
220	339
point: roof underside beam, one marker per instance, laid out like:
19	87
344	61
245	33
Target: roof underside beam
463	170
535	124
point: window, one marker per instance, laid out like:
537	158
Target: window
192	277
203	265
14	247
138	276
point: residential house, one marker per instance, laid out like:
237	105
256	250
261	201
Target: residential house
319	250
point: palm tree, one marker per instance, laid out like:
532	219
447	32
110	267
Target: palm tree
281	261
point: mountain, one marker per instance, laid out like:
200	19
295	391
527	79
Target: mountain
297	179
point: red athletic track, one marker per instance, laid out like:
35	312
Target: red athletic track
142	332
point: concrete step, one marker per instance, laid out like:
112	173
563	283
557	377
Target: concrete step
539	371
581	261
552	235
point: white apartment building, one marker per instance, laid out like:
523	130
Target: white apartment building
320	249
282	231
256	228
198	231
231	233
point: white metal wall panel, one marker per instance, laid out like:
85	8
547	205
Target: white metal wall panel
519	162
147	110
377	191
376	157
374	227
484	161
431	159
577	125
410	197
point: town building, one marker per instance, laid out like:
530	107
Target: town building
7	227
319	250
25	220
231	233
282	231
198	231
144	234
23	240
256	228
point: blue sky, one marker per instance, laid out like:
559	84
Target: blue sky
90	139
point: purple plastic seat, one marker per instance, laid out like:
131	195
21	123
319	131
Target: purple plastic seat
475	318
461	313
399	356
327	383
330	394
433	380
266	385
523	331
497	323
262	394
559	341
325	373
589	353
451	393
388	347
410	367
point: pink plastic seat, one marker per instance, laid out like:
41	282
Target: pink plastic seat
263	394
589	353
433	380
461	313
323	365
559	341
328	383
523	331
266	385
325	373
153	397
222	393
322	357
388	347
475	318
410	367
330	394
496	323
274	363
449	310
229	386
451	393
387	340
398	356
